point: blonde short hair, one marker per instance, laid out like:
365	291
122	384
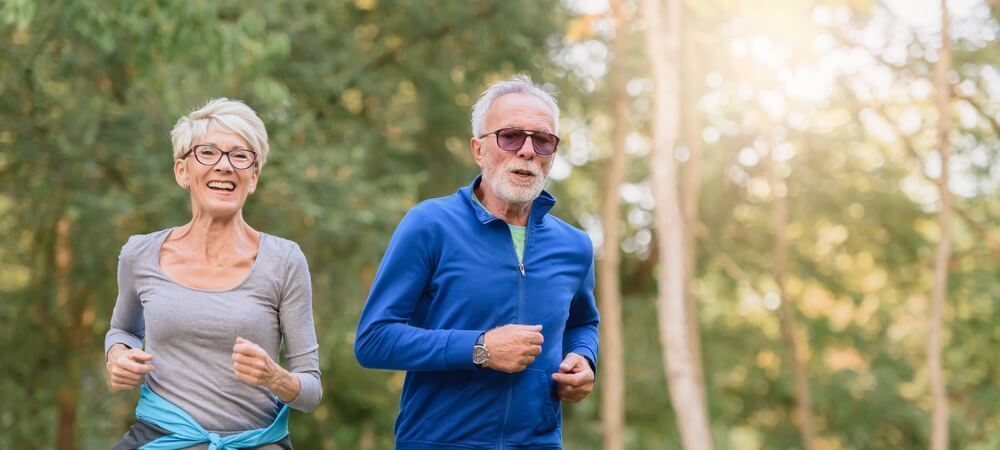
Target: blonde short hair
232	114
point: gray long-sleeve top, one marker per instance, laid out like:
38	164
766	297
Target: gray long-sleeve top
191	332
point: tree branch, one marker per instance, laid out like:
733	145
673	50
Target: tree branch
991	243
727	263
390	54
979	108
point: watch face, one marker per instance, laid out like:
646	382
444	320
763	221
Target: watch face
479	354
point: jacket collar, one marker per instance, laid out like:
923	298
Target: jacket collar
539	207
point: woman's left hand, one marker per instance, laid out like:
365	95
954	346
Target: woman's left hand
253	365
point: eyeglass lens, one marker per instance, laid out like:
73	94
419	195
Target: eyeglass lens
512	139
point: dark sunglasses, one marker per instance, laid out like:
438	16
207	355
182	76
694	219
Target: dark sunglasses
512	139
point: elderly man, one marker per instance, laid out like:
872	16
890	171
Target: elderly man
484	298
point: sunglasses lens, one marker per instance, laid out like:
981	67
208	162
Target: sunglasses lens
510	139
545	143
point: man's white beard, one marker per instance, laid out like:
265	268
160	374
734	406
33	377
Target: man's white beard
508	191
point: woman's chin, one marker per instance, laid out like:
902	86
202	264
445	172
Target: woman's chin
221	209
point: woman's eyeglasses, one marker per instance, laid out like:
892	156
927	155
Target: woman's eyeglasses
210	155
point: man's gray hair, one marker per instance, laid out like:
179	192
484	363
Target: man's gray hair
232	114
516	84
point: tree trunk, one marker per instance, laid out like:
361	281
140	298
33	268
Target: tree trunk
690	191
612	346
939	415
994	8
787	322
663	44
66	434
67	397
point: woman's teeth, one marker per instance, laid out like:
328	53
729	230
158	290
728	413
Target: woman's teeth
221	185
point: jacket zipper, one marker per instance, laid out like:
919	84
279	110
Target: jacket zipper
520	316
520	267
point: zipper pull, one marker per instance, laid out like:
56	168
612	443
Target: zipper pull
521	266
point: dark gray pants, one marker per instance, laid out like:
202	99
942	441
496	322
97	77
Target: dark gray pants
143	433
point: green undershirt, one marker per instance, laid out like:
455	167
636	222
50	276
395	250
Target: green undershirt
517	234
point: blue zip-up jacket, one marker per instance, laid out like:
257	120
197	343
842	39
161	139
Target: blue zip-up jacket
451	273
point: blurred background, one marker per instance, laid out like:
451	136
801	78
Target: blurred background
809	159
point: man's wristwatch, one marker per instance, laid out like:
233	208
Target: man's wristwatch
480	354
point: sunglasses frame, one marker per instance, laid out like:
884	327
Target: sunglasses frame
527	134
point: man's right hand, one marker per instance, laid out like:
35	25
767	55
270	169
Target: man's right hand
513	347
127	367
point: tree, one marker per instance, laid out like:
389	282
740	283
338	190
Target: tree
663	44
787	320
612	346
939	420
690	191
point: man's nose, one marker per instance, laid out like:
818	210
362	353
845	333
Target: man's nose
527	150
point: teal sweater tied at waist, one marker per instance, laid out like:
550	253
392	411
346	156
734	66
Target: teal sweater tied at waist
185	432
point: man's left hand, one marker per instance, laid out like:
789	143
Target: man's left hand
575	378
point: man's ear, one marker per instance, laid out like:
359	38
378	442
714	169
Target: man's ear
476	147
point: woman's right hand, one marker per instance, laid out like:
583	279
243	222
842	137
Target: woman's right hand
127	367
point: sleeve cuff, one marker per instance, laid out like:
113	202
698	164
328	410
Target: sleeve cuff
310	393
458	349
120	337
586	353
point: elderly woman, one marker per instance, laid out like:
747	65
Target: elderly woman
214	300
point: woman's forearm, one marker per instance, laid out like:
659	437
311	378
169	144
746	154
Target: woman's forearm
286	386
